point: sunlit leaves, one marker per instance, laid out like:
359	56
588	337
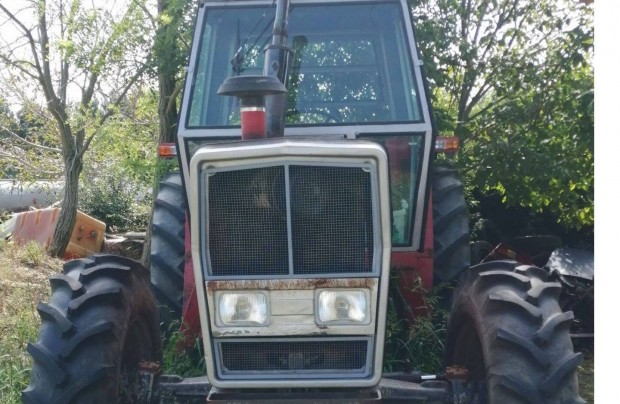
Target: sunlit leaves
514	79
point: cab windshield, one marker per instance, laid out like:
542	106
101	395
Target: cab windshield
351	64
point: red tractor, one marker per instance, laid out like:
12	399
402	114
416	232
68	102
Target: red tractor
307	181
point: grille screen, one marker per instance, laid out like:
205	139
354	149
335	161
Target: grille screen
247	226
331	221
294	357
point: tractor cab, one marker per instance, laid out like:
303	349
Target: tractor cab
353	73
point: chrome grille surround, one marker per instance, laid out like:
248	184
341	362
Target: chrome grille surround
290	219
365	156
292	358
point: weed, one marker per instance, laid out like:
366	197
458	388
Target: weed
418	346
33	254
182	362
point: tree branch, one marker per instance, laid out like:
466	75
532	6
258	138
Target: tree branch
115	103
29	36
171	100
38	146
16	64
28	165
152	18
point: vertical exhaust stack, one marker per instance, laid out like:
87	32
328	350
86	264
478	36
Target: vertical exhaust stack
277	56
262	99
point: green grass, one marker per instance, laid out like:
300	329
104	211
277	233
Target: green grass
23	283
182	361
417	346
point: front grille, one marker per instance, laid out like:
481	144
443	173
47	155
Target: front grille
281	358
290	220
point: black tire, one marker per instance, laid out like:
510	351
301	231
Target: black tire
168	249
507	328
100	322
450	225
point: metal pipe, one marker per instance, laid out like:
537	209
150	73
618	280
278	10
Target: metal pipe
277	57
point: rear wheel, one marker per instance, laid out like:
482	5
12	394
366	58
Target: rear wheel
100	323
451	251
507	328
168	249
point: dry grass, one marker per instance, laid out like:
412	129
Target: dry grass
23	283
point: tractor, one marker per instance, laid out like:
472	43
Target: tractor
307	184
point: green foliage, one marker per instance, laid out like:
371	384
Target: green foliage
181	361
87	58
418	346
118	177
33	254
514	80
171	46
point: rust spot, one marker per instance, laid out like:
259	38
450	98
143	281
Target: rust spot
456	372
291	284
151	367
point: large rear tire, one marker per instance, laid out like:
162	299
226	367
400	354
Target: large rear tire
100	322
168	249
507	328
451	251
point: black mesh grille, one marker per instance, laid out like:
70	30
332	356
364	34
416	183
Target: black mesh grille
331	221
247	222
294	357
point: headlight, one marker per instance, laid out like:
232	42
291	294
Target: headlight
343	306
243	309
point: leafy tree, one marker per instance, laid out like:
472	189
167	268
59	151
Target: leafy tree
513	79
72	63
170	48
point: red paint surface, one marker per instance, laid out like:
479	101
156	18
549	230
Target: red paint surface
415	271
190	326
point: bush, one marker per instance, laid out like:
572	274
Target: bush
112	197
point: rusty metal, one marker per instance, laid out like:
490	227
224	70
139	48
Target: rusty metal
153	367
456	373
148	375
290	284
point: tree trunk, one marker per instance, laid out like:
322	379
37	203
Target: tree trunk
167	108
69	205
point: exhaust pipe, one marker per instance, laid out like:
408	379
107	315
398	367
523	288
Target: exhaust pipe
263	98
277	57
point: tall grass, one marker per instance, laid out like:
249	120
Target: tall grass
418	346
182	362
23	283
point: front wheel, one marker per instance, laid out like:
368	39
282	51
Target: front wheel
506	326
100	323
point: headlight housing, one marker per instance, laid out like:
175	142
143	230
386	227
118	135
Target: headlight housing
343	306
243	309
